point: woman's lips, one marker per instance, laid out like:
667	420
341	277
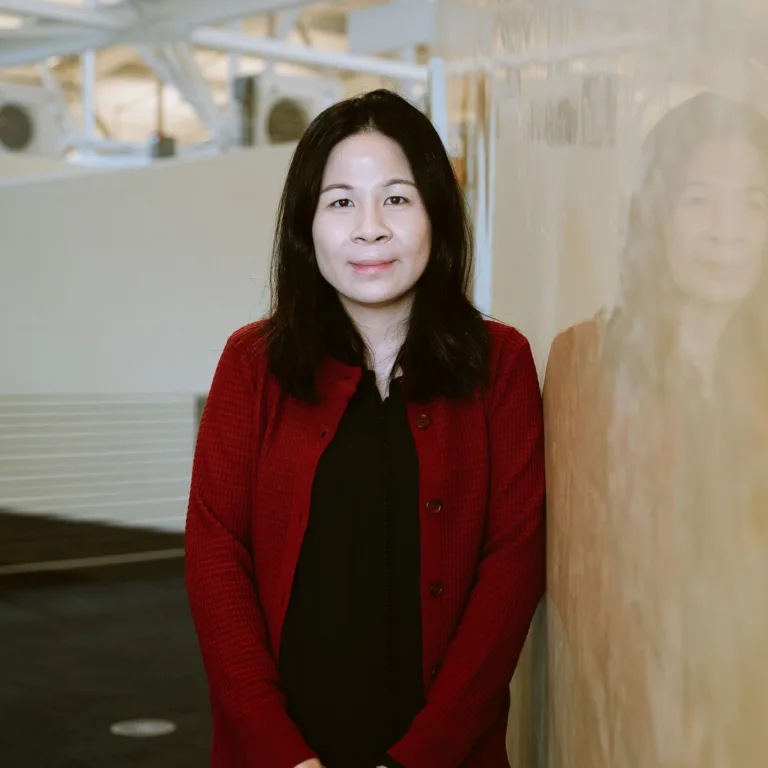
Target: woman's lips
371	267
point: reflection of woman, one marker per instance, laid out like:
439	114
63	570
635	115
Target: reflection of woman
364	538
658	441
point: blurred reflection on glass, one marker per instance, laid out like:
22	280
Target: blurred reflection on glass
657	417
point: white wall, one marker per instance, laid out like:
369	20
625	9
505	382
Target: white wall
118	291
131	281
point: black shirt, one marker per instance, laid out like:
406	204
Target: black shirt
350	655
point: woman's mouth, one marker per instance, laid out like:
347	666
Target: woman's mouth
372	267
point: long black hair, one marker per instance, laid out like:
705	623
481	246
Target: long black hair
446	349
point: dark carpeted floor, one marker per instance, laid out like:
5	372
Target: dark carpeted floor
80	650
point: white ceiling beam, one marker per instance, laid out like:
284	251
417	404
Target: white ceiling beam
129	22
288	21
183	60
154	58
39	33
19	55
175	64
108	18
279	50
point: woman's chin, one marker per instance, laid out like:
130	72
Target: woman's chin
372	299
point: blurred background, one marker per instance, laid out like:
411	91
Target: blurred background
143	148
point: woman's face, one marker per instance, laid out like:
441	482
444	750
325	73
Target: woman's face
371	231
717	235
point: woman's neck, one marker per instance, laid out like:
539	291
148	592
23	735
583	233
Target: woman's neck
383	330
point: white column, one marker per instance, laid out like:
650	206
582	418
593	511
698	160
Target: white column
234	68
88	85
437	100
484	182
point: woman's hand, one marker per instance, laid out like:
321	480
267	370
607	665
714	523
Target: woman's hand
310	764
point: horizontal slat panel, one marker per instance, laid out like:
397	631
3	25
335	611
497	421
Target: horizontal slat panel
39	465
74	493
92	402
125	460
104	475
24	426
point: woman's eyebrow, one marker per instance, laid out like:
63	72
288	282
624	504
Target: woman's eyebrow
393	182
335	186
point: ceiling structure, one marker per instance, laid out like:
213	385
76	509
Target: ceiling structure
105	60
115	54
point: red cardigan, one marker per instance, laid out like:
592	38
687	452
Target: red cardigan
481	493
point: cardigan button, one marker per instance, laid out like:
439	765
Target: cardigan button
435	506
423	421
435	670
435	590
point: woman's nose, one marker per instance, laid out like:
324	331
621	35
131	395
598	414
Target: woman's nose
370	226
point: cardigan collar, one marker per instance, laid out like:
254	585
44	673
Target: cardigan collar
337	377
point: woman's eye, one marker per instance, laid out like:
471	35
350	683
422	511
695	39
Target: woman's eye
695	201
343	203
756	205
396	200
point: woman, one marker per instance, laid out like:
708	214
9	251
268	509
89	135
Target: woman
657	445
364	536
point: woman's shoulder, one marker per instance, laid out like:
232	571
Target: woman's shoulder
511	362
250	341
504	337
247	346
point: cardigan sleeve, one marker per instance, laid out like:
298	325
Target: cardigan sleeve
231	629
473	683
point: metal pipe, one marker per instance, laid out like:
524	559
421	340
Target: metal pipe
224	40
